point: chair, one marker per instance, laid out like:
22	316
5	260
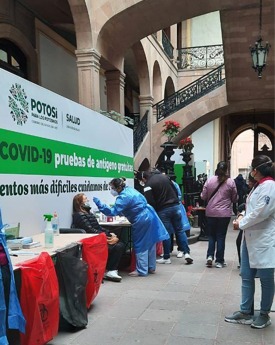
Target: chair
71	231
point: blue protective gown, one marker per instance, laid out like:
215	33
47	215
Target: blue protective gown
15	317
184	218
147	228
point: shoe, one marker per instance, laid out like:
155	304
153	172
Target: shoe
209	261
221	265
113	276
134	274
261	321
188	258
163	261
151	271
180	255
239	317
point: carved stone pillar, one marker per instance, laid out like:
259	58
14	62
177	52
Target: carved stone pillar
88	77
146	103
115	91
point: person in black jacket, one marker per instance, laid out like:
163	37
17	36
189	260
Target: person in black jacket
162	195
84	219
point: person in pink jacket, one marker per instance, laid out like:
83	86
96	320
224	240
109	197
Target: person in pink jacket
220	193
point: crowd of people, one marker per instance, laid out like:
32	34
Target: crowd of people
156	214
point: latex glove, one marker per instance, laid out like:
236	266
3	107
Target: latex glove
97	202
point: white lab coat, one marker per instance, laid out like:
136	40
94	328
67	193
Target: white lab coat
259	225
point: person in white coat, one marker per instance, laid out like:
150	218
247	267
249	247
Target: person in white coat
258	246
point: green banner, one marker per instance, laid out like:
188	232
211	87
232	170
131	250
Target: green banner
31	155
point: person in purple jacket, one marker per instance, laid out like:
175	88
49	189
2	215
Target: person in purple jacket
220	193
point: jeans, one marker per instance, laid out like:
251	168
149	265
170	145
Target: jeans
146	261
216	231
248	274
171	219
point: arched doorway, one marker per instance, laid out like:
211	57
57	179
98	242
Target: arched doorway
249	143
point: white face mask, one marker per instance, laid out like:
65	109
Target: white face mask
253	174
114	192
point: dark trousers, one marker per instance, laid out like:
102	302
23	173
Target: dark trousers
115	252
216	230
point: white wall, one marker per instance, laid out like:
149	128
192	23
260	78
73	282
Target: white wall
206	30
203	145
58	70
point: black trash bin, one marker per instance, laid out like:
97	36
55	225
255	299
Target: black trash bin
72	278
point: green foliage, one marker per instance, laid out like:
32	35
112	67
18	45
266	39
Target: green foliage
114	115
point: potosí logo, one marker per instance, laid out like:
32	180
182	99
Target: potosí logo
43	108
18	104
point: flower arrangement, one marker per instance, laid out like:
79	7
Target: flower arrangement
171	129
186	144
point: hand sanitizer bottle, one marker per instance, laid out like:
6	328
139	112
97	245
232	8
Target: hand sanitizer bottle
55	224
48	231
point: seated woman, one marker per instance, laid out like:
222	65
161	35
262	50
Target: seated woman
82	218
147	228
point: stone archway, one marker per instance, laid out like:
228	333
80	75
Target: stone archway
169	87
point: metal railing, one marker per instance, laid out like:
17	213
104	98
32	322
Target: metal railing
140	131
189	93
200	57
167	46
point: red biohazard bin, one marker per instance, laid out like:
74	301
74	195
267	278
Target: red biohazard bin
95	254
39	299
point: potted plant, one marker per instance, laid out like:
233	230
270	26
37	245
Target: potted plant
171	129
186	144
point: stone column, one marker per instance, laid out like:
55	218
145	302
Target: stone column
88	78
146	103
115	91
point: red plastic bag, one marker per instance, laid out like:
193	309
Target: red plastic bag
95	253
39	299
159	248
133	263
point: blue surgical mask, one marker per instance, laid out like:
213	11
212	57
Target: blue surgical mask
114	192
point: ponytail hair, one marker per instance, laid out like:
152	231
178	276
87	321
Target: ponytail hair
221	171
118	182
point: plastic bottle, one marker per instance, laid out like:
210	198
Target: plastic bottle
55	224
48	231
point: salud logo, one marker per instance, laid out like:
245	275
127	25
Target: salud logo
18	104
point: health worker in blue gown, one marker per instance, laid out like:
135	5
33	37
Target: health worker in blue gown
147	228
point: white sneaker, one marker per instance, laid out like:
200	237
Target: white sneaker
188	258
180	255
163	261
221	265
113	276
209	261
